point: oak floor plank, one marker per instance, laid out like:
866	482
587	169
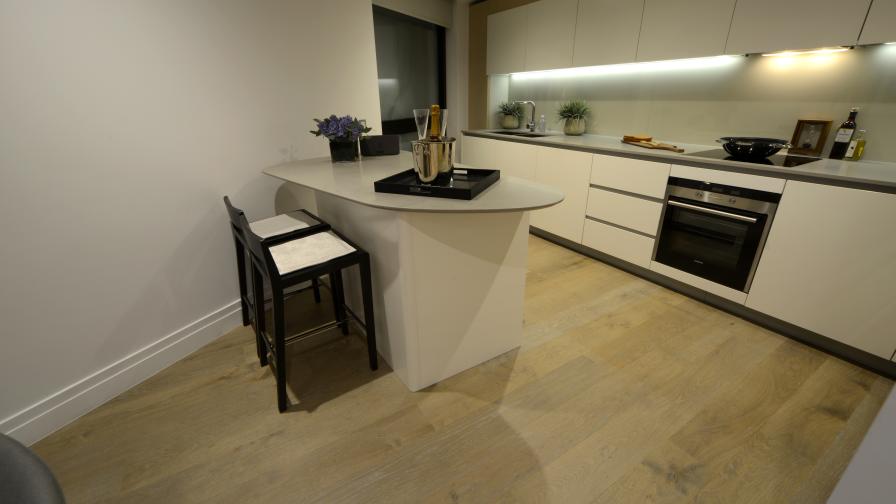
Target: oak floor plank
825	474
623	391
769	466
626	435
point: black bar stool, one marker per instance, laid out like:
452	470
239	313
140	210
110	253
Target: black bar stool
287	263
272	230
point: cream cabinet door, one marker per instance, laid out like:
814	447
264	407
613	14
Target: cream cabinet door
569	172
607	32
551	27
649	178
617	242
772	25
673	29
506	41
881	23
512	158
829	265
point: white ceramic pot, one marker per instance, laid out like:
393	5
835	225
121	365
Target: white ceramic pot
574	127
510	122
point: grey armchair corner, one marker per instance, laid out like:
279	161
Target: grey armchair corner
24	478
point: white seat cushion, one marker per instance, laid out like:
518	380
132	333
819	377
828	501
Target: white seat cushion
308	251
283	223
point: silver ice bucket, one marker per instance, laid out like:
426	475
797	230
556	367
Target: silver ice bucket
433	158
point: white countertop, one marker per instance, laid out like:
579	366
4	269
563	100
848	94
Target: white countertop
354	182
871	175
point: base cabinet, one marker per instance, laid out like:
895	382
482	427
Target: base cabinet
617	242
829	265
569	172
512	158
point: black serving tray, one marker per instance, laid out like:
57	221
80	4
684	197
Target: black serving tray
464	184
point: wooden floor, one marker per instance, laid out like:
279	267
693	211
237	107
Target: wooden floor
622	392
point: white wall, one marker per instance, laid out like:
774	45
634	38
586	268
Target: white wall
124	123
755	96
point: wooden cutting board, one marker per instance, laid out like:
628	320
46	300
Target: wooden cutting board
654	145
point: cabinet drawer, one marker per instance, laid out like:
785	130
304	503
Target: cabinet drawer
619	243
631	175
626	211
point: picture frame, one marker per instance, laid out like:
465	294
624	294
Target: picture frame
809	137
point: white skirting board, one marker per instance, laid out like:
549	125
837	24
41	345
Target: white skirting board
70	403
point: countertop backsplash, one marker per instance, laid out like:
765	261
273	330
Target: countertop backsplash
748	96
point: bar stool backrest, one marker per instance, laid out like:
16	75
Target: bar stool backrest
259	254
235	214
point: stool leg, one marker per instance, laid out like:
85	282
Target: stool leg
280	348
241	271
258	293
369	322
339	300
315	285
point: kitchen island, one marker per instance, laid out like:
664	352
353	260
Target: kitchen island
448	275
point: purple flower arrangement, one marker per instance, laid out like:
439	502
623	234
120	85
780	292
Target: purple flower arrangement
340	129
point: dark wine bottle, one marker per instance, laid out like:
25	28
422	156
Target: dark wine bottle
844	135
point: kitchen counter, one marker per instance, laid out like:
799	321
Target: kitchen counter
869	175
448	275
354	182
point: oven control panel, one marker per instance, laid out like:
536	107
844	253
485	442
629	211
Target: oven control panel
715	197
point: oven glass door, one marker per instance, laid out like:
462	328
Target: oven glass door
711	241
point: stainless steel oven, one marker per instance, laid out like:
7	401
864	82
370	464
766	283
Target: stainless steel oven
714	231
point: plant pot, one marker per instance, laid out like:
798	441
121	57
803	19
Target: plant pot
343	150
574	127
510	122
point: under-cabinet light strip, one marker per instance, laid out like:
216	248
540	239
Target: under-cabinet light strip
627	68
824	50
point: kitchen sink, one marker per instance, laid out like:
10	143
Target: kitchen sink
527	134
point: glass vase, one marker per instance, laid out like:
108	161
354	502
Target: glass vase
343	150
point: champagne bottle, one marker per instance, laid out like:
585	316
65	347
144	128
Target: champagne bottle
435	122
844	135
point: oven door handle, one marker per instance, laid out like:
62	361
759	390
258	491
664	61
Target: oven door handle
696	208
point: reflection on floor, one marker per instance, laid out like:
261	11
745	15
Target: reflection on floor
623	392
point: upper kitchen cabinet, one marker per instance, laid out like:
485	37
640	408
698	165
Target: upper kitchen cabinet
881	23
673	29
550	32
772	25
607	32
828	265
506	41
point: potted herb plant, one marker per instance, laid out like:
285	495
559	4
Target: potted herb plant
573	113
343	133
510	115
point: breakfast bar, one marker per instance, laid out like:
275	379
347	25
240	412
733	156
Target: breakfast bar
448	275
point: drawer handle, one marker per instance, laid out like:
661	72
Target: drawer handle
744	218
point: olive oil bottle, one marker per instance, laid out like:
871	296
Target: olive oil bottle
856	147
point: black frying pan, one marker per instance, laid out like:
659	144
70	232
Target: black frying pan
752	147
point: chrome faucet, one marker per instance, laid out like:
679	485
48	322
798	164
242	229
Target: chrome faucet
531	124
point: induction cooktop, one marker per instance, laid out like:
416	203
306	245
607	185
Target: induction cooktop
776	160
